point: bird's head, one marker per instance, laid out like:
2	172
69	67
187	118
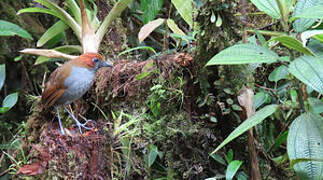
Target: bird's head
94	61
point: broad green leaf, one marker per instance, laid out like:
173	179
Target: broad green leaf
150	9
257	118
10	29
2	74
243	54
279	73
302	24
185	9
270	7
173	26
261	98
293	43
10	100
309	70
53	31
305	141
313	12
232	169
149	28
316	105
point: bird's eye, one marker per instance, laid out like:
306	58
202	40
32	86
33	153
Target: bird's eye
95	60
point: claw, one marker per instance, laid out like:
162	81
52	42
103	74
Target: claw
78	124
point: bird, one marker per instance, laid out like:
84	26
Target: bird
70	82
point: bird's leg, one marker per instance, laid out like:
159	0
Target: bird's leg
79	125
59	121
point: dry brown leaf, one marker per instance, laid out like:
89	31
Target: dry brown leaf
31	169
148	28
246	100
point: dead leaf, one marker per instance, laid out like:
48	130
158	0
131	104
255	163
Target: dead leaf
246	100
32	169
148	28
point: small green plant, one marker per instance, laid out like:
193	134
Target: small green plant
302	70
81	18
232	166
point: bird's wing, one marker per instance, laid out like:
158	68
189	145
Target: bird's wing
55	87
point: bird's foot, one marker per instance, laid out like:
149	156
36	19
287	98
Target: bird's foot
83	125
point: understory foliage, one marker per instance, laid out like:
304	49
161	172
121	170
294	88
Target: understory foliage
226	89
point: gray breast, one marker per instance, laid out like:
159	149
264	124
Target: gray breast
77	83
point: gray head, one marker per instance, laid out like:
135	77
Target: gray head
98	63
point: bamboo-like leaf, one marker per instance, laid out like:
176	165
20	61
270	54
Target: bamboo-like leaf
67	49
48	53
54	30
149	28
10	29
293	43
185	9
232	169
257	118
305	141
114	13
75	10
36	10
63	15
309	70
244	54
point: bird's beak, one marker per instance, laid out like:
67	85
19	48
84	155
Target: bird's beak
106	64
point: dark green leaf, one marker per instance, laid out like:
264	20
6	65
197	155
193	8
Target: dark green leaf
10	29
219	159
153	152
150	9
280	140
